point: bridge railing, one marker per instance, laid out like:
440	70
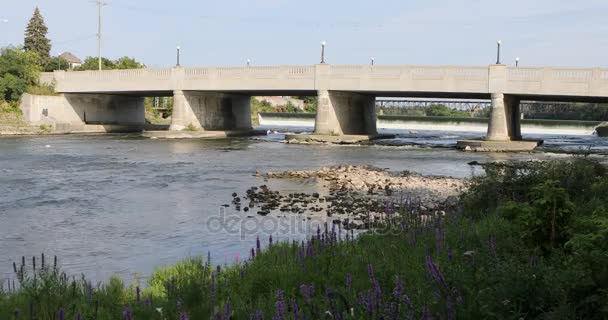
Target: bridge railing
410	78
557	81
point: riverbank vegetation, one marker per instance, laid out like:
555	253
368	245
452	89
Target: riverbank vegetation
528	241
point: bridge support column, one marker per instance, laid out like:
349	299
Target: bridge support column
345	113
504	122
211	111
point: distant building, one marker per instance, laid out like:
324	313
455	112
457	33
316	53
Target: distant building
72	60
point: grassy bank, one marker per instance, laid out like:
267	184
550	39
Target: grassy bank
529	241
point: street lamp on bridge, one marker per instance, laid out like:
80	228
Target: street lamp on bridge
517	62
498	43
323	51
59	60
178	48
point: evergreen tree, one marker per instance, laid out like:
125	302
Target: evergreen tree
36	40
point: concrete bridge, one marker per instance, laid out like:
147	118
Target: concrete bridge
218	98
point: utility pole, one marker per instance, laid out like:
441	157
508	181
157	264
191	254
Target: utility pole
100	5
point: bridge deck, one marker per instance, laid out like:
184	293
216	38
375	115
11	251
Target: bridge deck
559	84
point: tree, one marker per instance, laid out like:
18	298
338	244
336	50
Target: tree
57	63
90	63
36	40
128	63
19	70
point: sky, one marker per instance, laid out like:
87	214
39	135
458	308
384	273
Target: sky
564	33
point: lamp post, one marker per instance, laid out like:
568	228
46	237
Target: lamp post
59	60
372	61
517	62
498	43
323	51
178	48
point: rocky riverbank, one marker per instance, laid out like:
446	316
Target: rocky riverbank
354	196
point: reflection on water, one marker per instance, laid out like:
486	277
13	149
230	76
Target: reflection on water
119	204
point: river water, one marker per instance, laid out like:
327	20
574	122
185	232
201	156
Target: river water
119	204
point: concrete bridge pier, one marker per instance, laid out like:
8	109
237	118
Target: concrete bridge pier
504	128
345	113
504	122
210	111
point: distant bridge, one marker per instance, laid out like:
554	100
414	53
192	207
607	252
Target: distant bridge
218	98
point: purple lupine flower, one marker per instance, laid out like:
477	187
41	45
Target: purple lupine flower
147	302
270	240
377	294
260	315
126	314
306	292
61	314
398	292
295	310
78	316
309	249
182	316
533	260
318	232
348	281
435	273
426	314
252	253
227	311
258	246
370	272
450	254
280	305
138	293
369	305
438	239
450	312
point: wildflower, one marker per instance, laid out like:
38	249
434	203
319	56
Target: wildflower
435	273
270	240
348	280
449	254
182	316
138	293
295	310
61	314
533	260
280	304
126	314
398	292
252	254
258	247
227	311
307	292
426	314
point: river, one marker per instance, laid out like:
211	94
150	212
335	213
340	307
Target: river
120	204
